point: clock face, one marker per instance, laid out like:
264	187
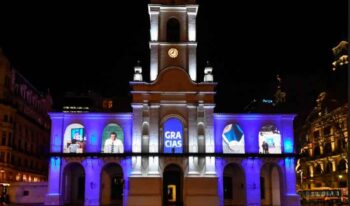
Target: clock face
172	52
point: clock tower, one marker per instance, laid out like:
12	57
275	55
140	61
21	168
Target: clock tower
173	36
173	114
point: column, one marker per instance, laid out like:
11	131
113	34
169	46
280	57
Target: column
154	34
154	139
53	195
136	139
92	181
252	167
209	140
220	166
292	198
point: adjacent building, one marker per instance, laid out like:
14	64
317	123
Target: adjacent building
324	151
172	149
25	128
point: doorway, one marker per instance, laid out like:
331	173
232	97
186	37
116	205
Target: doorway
172	186
112	185
74	184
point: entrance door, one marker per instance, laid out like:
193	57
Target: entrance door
172	186
74	184
112	184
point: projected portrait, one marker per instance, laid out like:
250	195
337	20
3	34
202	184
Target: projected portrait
233	139
74	139
113	139
269	140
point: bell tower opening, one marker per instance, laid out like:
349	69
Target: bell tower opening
173	30
173	36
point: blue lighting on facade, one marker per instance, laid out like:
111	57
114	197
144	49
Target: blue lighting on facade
288	146
55	163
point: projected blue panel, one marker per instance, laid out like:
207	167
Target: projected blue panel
173	136
233	139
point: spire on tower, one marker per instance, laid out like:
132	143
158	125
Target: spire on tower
208	73
138	72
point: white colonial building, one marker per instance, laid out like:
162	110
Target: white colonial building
172	149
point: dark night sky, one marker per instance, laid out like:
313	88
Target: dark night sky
95	46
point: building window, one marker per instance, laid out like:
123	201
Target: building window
328	148
3	141
327	131
6	118
3	138
107	104
10	139
2	156
341	144
173	30
329	168
8	158
342	165
316	134
317	151
343	184
18	177
318	169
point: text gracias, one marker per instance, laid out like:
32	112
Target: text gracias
173	139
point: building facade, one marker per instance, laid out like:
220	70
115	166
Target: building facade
324	162
172	149
25	128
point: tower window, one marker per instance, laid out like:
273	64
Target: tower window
173	30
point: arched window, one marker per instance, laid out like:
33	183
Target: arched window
112	139
317	151
318	169
342	165
173	30
269	140
232	139
329	167
173	135
328	148
74	139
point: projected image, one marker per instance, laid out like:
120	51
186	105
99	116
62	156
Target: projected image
269	140
112	139
74	139
233	139
173	136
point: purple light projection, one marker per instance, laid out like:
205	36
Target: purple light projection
173	131
251	124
